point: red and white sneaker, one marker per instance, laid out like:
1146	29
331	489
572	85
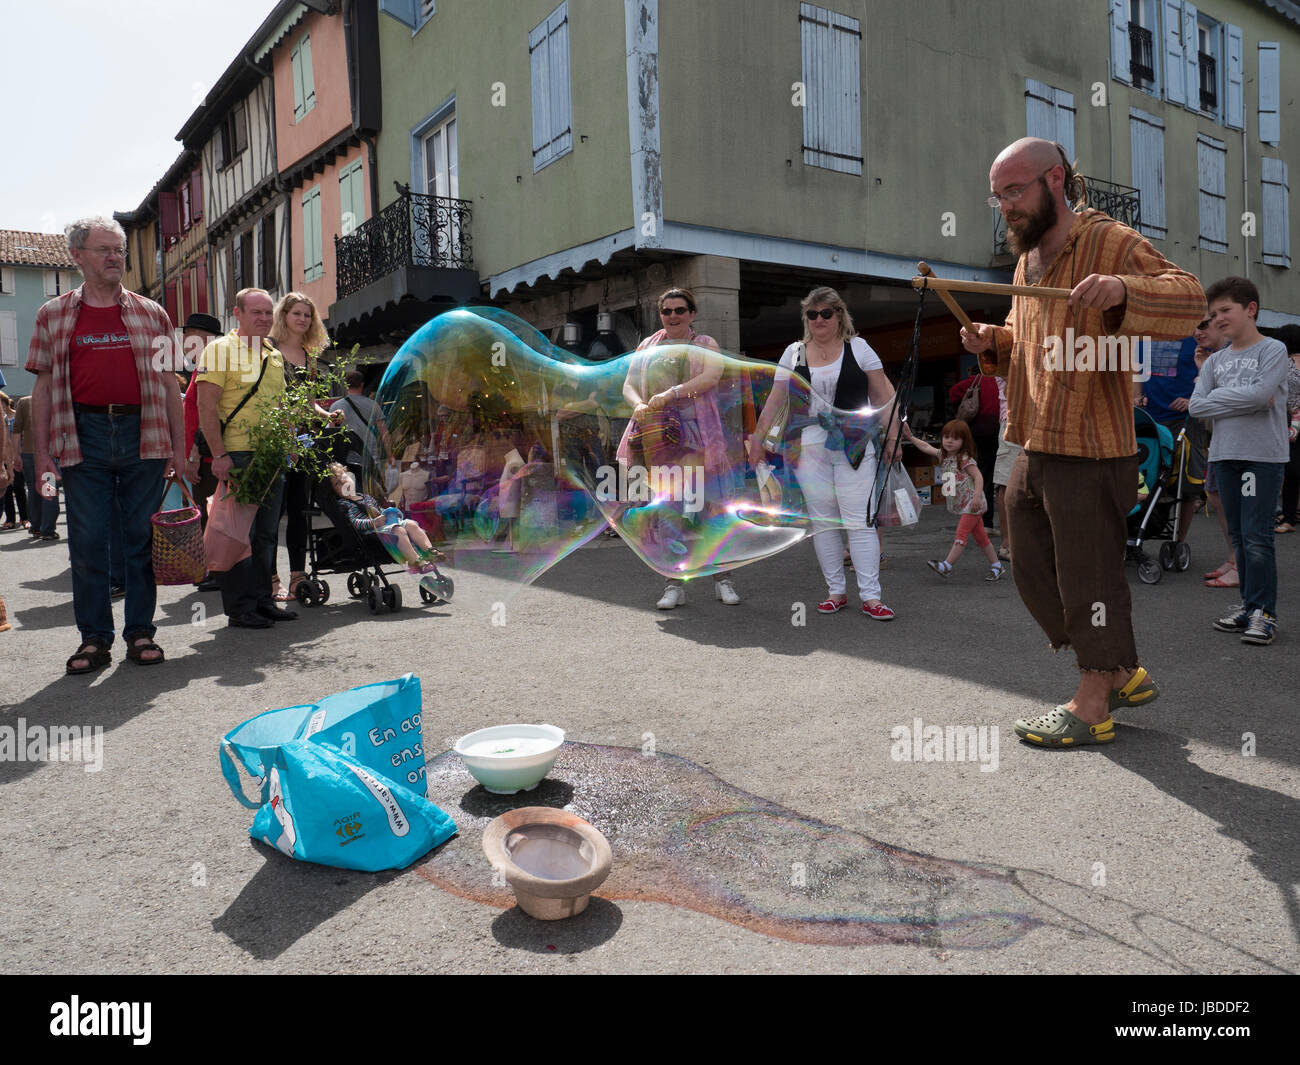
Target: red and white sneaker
879	611
831	606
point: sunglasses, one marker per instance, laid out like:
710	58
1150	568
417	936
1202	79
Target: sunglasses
669	311
826	313
1205	323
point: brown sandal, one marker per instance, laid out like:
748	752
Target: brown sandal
94	652
137	646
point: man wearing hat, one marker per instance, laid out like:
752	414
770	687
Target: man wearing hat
199	330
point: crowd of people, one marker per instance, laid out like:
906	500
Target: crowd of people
1049	454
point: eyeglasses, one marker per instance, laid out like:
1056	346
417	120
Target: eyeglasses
106	252
1205	323
1013	194
669	312
825	313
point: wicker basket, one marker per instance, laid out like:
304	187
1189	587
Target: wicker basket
178	543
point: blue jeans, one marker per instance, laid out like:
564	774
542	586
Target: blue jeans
1250	517
41	512
111	475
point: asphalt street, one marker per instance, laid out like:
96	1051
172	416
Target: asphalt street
1172	850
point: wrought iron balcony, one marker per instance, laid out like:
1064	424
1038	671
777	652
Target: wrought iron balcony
413	230
1141	54
1209	82
1121	202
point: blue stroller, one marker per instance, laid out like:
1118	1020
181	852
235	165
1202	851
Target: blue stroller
1172	470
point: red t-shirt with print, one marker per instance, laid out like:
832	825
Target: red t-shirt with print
102	364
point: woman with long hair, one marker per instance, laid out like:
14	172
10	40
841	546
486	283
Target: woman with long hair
299	335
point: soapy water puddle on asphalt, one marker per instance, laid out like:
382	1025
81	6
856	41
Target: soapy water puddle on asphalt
683	836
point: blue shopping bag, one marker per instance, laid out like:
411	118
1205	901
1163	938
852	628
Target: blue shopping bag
326	808
354	758
377	724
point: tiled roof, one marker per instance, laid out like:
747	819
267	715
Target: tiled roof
18	248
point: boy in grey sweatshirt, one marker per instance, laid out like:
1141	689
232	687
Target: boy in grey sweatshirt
1242	392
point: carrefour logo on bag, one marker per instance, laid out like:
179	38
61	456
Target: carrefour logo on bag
348	828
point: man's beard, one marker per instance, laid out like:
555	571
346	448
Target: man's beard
1034	228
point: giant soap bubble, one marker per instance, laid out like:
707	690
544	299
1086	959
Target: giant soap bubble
512	453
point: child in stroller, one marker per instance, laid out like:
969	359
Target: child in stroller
400	535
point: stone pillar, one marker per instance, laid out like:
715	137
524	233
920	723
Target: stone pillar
715	280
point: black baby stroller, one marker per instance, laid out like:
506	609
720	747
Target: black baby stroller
1173	470
339	548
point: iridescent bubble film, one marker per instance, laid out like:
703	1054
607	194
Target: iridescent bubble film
511	452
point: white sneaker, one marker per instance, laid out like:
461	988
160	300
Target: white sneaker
674	596
726	591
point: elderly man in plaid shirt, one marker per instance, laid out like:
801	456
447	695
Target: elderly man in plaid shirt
1076	480
114	422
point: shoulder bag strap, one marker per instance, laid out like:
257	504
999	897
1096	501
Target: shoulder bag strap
240	405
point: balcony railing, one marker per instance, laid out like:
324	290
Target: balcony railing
1141	54
1209	82
1121	202
413	230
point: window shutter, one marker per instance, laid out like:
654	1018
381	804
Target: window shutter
1173	49
169	216
8	337
7	280
1120	54
1065	121
1275	233
237	272
1270	92
295	64
351	199
201	285
561	102
539	63
196	194
51	278
311	235
1147	141
1040	110
830	44
239	117
402	10
270	263
1234	115
169	301
1191	62
308	79
1211	162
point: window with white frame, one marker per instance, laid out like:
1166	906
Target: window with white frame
57	282
304	81
548	62
1211	175
1135	43
1147	142
1275	223
1209	66
312	244
831	46
6	280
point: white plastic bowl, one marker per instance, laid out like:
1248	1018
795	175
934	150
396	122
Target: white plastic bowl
507	759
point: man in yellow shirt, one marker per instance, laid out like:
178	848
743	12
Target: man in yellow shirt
1070	367
241	376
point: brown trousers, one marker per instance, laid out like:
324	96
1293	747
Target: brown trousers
1066	518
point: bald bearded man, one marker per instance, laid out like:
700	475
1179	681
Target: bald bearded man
1070	367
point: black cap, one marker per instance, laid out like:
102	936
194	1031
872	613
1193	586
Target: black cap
205	322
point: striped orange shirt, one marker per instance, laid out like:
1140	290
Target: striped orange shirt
1070	370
